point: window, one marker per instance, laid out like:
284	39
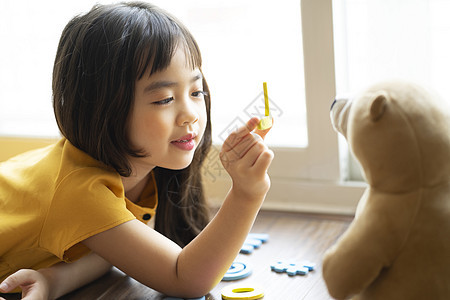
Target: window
384	39
308	178
289	44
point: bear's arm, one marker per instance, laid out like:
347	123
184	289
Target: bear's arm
370	244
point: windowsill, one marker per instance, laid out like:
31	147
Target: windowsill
298	195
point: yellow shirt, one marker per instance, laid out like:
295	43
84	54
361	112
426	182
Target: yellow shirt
53	198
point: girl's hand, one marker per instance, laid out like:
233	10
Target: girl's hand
246	158
34	285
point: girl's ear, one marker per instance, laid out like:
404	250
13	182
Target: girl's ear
378	106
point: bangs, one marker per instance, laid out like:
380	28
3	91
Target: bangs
161	36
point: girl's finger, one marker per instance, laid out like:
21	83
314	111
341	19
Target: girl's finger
263	161
253	154
262	133
21	277
245	144
235	137
241	149
4	286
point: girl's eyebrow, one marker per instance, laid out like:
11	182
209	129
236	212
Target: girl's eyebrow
197	77
159	85
163	84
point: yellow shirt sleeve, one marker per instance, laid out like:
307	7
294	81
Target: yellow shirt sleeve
85	203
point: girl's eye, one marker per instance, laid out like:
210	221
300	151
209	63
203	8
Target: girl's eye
199	94
165	101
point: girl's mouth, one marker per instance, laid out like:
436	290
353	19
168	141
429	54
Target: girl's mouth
186	143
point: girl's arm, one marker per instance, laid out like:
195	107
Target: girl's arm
193	271
58	280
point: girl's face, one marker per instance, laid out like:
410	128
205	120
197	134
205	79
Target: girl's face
168	117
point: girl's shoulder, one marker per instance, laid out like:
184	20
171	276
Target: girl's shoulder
77	171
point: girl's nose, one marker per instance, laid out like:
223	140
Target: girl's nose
188	114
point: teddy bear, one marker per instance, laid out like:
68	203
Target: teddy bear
398	244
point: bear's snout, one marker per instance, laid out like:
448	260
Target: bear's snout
339	114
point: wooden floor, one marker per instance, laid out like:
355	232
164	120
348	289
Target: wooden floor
293	236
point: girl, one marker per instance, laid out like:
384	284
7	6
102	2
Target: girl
133	107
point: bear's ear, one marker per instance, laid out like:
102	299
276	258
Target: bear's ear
378	106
